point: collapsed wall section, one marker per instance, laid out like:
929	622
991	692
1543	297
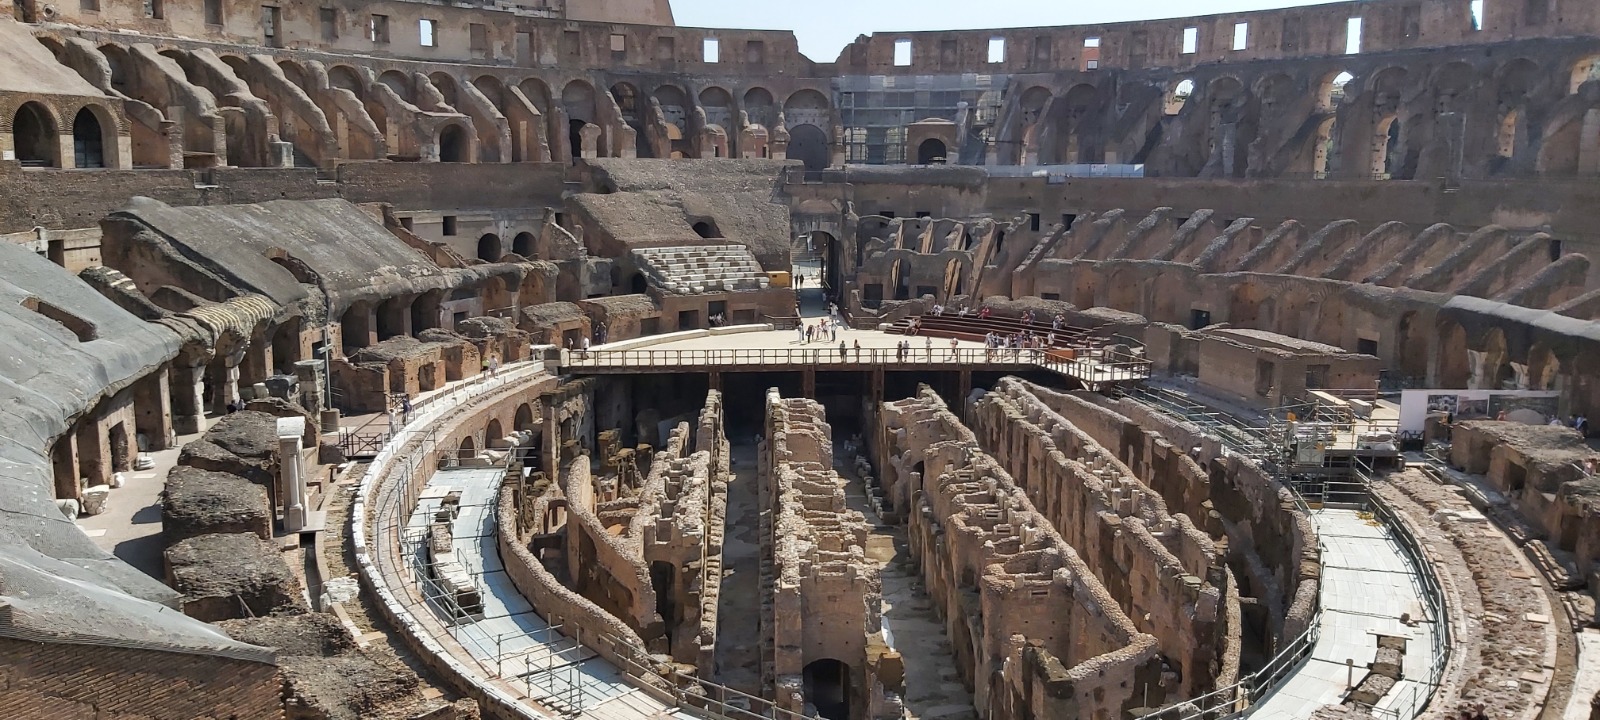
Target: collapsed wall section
1034	632
825	596
1164	572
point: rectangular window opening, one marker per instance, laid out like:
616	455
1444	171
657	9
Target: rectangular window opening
1477	15
711	50
524	48
1352	36
153	9
92	5
1093	42
427	32
449	225
1241	35
1191	40
755	52
378	29
271	23
902	53
478	39
1091	54
997	50
619	43
213	11
329	18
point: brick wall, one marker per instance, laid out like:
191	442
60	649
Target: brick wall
44	680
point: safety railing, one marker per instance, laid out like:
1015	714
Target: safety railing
1091	365
1226	701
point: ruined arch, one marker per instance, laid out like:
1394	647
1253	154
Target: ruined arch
523	244
1453	362
1178	97
537	92
1331	91
578	99
400	83
523	420
1544	368
1387	151
1496	360
760	107
94	138
489	248
446	85
35	136
1324	148
454	145
809	144
1075	127
1411	346
1583	71
493	431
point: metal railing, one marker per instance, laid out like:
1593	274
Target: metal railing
1232	700
1089	364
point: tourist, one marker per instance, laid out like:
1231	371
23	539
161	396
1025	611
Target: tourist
1555	420
842	349
985	313
938	310
405	408
858	350
954	345
800	334
494	365
583	348
916	326
1581	424
927	346
1501	417
963	311
799	280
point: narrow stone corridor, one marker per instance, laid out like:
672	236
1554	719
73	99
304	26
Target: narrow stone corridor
933	687
739	613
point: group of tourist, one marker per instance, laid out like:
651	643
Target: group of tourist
902	349
1016	342
824	330
399	411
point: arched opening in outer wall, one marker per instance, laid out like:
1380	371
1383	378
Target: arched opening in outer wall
88	141
808	144
638	284
493	431
1179	96
1323	149
1453	362
523	245
826	684
1386	156
489	248
1331	93
931	152
34	136
452	144
468	449
707	230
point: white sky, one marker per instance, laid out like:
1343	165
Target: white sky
824	27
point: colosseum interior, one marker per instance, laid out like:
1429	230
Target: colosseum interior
443	361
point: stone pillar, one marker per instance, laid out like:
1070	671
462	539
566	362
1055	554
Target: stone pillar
94	452
550	439
188	404
152	410
223	374
591	141
291	475
64	463
312	384
257	364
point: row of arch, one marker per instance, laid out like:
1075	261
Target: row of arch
1389	121
39	139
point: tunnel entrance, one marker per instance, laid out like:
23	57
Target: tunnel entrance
827	688
663	578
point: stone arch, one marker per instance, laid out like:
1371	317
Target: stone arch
809	144
1178	96
578	100
720	110
537	92
1331	90
446	85
1275	92
94	138
1244	306
1584	70
1496	360
36	136
493	431
400	83
1453	362
1386	159
467	449
1411	346
1075	127
932	151
523	244
1324	149
825	684
454	144
1227	105
760	107
1544	368
523	419
628	103
1451	84
489	248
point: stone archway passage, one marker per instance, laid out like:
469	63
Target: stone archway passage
88	141
489	249
931	152
453	144
808	144
826	685
33	136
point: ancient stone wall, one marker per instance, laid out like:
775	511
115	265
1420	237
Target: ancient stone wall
1120	527
825	595
50	680
1035	633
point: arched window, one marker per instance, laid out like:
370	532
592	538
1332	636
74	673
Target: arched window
34	136
88	144
452	144
489	248
931	151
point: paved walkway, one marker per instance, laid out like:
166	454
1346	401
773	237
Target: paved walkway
130	524
1367	584
509	638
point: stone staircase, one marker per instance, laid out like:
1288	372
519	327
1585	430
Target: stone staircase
695	269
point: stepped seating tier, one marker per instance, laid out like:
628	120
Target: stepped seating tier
694	269
974	329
